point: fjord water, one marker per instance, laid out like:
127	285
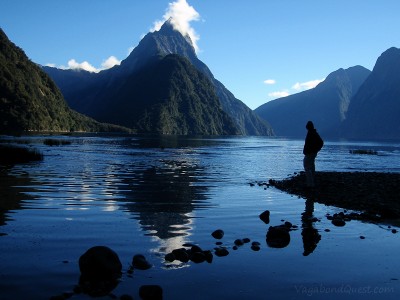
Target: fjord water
150	195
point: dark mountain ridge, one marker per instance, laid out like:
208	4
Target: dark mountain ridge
95	94
327	105
30	100
171	97
374	112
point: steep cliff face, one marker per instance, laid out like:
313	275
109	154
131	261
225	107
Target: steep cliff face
96	91
169	96
29	99
327	105
374	112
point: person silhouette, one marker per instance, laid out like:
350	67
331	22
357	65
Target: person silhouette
312	145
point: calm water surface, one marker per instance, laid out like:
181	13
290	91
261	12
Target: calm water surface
151	195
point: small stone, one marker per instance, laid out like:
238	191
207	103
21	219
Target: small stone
238	242
209	256
264	216
218	234
362	237
235	248
338	222
218	243
151	292
255	243
394	230
288	224
196	248
169	257
100	262
246	240
255	247
198	257
327	230
139	262
181	255
221	252
278	237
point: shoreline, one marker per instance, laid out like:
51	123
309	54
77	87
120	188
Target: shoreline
376	195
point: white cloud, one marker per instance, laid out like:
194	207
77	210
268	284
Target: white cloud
302	86
279	94
74	65
297	87
270	81
110	62
181	14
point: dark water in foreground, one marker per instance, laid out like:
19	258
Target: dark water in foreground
150	196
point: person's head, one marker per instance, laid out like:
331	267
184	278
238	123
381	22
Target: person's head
310	125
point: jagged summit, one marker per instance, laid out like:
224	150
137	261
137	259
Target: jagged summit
171	28
168	27
98	94
170	40
163	42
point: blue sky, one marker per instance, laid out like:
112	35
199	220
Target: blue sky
259	49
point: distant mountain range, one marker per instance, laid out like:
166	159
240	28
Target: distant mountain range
353	104
30	101
161	87
326	104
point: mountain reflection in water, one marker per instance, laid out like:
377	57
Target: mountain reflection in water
162	197
151	195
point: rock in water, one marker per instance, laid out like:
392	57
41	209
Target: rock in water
278	237
338	222
198	257
218	234
220	252
181	255
264	216
100	262
139	262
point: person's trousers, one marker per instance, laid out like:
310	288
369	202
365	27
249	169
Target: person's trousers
309	168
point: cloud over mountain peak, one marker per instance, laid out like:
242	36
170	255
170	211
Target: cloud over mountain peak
180	14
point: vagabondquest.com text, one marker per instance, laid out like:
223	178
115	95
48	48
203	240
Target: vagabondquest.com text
342	289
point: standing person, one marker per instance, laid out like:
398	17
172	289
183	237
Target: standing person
312	146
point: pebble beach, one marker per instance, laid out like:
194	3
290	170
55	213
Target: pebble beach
375	194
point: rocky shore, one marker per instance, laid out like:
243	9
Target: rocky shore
377	195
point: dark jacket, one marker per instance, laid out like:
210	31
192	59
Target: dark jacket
313	143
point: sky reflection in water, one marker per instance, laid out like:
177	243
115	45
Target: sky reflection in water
151	195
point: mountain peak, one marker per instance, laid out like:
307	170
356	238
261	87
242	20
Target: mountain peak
171	28
167	26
